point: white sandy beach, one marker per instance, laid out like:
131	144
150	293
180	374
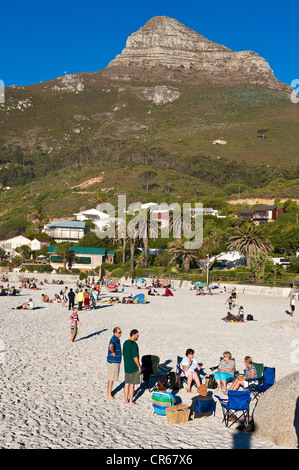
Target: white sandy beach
53	393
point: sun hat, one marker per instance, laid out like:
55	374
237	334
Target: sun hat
202	390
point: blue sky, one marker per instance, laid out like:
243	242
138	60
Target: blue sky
43	39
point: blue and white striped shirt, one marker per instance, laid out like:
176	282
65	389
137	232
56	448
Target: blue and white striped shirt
117	349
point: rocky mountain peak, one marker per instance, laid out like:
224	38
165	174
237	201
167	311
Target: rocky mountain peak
166	42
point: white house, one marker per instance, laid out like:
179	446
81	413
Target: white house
230	259
11	243
91	214
66	230
100	219
38	243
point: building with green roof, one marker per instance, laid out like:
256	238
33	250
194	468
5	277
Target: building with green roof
85	257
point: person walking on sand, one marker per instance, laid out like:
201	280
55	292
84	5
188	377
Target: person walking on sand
94	298
71	297
113	360
292	305
86	296
132	366
74	324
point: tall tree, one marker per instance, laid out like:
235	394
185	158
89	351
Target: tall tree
147	178
249	240
64	251
177	251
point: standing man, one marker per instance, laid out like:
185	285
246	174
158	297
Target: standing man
80	299
94	298
292	304
71	296
132	366
113	360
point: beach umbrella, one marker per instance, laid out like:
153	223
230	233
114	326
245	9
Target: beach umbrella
141	279
199	283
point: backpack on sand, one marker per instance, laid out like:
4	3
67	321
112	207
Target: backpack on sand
175	381
211	382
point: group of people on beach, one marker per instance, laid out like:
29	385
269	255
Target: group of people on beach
189	368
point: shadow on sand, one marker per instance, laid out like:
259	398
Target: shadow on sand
91	335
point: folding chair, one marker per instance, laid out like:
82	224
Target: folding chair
151	368
231	379
264	382
205	407
236	407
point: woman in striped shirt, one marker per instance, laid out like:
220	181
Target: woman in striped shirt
249	375
74	324
225	370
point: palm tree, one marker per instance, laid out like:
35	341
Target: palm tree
122	240
177	251
3	254
98	198
39	214
276	270
64	251
249	240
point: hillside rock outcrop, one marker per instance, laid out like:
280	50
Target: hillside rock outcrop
164	41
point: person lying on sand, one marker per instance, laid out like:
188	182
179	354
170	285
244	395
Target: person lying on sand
28	304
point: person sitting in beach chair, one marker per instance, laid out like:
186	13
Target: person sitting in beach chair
161	400
189	367
249	375
225	370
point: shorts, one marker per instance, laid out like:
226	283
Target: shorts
222	375
187	372
132	379
113	371
252	382
74	329
293	308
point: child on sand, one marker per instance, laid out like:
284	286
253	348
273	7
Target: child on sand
74	324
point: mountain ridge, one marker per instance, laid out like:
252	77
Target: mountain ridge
126	119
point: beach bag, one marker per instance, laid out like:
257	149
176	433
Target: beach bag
249	318
175	381
211	382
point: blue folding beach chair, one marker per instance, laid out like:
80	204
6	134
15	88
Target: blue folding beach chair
261	384
236	407
203	408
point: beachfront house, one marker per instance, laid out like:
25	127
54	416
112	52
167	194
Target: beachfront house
86	258
262	214
100	219
205	211
38	243
10	244
66	230
228	260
